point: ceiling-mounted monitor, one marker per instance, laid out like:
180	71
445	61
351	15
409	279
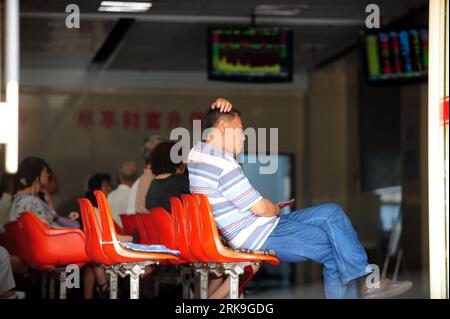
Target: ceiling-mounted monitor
250	54
396	55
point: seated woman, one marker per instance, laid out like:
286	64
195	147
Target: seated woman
31	178
32	174
170	180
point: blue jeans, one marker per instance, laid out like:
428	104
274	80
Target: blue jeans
322	233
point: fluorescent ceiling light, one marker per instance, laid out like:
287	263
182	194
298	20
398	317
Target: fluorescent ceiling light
121	6
120	9
280	10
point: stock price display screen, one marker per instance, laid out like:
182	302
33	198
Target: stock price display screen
397	55
250	54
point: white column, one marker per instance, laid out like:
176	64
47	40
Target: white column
438	183
9	110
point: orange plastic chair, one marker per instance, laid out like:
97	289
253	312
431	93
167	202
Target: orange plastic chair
51	247
111	245
194	229
94	248
15	240
11	237
182	241
117	252
119	229
141	230
172	229
93	234
152	234
232	261
164	225
213	246
128	223
162	228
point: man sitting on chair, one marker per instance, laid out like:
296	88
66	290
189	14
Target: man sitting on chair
245	219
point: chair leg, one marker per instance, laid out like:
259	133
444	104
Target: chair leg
186	290
51	286
234	271
234	285
204	271
44	285
134	287
134	270
186	280
112	284
397	264
156	285
62	284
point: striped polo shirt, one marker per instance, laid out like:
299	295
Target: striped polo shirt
216	174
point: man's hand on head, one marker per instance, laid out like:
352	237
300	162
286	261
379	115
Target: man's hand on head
222	104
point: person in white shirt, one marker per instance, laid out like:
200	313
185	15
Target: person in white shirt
118	198
136	197
7	282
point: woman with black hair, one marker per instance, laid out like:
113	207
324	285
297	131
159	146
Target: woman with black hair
170	178
102	182
97	182
32	174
